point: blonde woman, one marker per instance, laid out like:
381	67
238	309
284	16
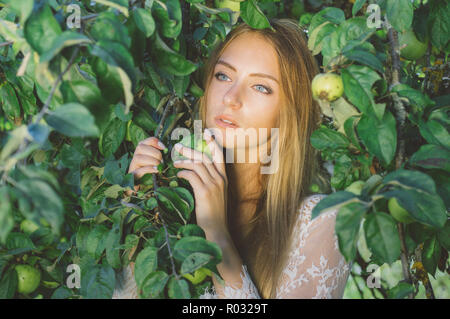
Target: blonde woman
258	79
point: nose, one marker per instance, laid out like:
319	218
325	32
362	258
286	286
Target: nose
232	97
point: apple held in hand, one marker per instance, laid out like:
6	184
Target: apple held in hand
327	86
199	144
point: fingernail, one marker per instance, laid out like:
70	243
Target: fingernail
161	144
155	167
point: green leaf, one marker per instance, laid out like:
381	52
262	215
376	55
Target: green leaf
120	5
8	284
179	289
65	39
401	291
195	261
430	255
440	24
431	156
382	236
400	14
176	200
115	54
23	8
253	15
144	21
435	133
358	82
443	236
97	282
169	60
46	201
168	16
154	284
380	137
426	208
112	137
364	57
89	95
41	29
112	247
74	120
137	134
415	97
6	214
333	201
109	80
408	179
9	101
19	241
357	5
347	226
146	263
95	242
193	244
328	139
191	230
109	28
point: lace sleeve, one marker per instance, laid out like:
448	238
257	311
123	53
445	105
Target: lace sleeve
247	291
315	268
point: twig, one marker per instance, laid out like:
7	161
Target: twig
158	133
400	115
55	85
5	44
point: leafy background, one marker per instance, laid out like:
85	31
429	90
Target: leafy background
76	101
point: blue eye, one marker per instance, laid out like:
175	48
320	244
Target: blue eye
219	74
268	91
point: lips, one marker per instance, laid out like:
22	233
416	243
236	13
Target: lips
225	121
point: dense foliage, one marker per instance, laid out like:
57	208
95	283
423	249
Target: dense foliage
82	82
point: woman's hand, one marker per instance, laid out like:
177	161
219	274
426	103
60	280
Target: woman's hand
209	182
146	159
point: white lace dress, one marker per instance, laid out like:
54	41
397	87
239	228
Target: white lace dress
315	267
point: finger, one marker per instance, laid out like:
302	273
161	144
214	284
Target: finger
153	141
138	173
145	160
143	149
193	179
216	152
192	154
197	167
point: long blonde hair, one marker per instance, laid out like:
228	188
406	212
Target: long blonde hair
299	163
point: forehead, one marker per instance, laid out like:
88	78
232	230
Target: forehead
253	53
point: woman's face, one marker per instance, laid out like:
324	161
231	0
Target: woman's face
245	88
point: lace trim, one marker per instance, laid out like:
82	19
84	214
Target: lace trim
325	276
248	290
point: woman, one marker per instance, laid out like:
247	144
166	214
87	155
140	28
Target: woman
262	222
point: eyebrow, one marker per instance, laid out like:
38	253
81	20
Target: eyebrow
262	75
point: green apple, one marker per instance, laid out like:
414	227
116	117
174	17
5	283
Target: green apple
28	278
399	213
173	184
327	86
28	226
198	145
414	48
355	187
